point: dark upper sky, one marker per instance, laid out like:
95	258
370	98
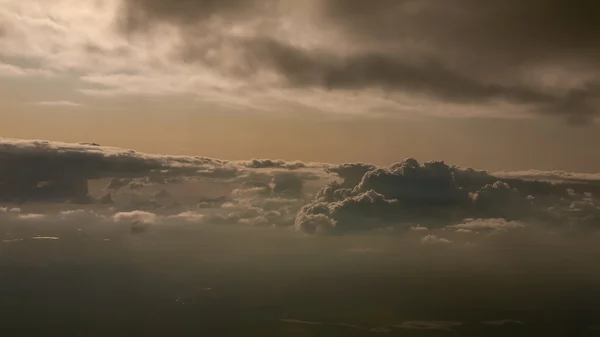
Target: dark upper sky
538	53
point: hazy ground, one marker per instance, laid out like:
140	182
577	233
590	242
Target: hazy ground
248	281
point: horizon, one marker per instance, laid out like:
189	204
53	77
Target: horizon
310	168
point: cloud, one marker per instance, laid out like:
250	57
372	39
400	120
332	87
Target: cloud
434	239
46	170
31	217
397	47
510	58
559	176
137	14
190	216
9	70
487	224
135	217
413	195
11	210
60	104
315	198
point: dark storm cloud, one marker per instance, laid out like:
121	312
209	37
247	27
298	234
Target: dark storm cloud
306	68
516	31
462	51
435	194
483	39
139	14
48	170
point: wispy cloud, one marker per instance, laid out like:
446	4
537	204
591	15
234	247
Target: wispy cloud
59	104
10	70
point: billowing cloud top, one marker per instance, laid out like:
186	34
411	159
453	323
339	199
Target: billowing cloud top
311	197
509	57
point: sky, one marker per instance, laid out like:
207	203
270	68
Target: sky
301	168
504	86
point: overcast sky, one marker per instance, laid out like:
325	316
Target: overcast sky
508	85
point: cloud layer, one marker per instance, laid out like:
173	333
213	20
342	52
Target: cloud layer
125	185
428	56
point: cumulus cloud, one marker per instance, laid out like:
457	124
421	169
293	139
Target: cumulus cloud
136	217
508	58
434	239
403	192
353	198
409	194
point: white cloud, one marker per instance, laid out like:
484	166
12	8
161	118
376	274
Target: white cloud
432	239
31	216
189	216
135	216
11	240
486	224
10	210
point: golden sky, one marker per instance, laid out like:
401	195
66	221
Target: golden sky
494	144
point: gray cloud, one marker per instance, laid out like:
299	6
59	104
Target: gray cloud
353	197
463	51
54	170
519	31
138	14
409	194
